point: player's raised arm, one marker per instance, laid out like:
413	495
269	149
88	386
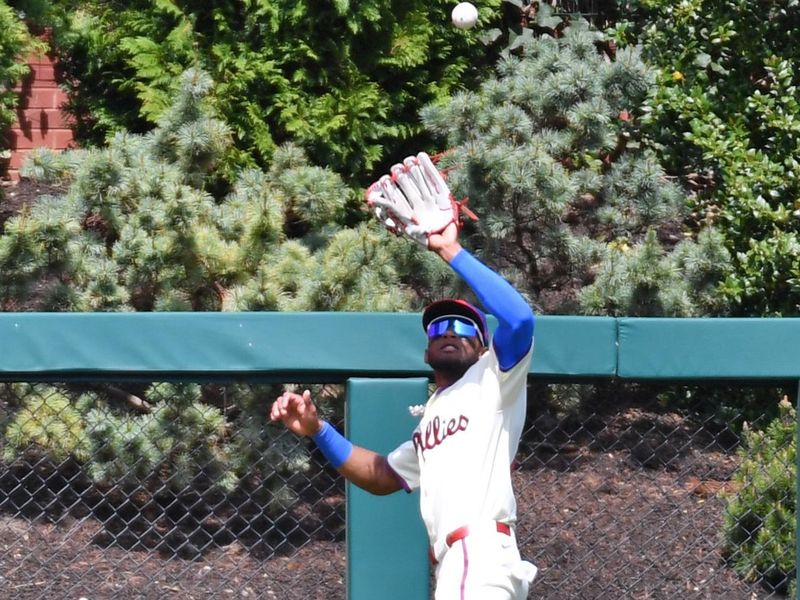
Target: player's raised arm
514	335
415	201
364	468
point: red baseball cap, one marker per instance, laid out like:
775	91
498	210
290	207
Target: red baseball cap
457	307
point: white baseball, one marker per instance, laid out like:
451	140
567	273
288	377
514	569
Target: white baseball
464	15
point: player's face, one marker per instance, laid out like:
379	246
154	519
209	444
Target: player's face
452	353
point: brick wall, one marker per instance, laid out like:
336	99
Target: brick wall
40	120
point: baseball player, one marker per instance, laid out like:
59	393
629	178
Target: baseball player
460	454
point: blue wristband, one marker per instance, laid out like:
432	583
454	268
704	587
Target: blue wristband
333	445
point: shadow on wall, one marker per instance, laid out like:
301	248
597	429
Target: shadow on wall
40	119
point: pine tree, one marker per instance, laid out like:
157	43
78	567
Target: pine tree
571	208
138	228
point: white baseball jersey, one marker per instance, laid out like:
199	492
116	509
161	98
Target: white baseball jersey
460	454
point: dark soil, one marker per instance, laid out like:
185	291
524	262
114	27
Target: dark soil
624	519
600	524
15	196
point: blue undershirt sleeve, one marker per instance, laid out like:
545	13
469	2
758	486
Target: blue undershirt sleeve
514	334
334	446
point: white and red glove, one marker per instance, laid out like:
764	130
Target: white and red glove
414	200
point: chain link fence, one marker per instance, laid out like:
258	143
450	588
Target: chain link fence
174	490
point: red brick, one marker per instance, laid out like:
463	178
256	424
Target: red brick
43	118
41	123
49	97
57	139
42	73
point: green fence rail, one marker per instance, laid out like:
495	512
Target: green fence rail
380	357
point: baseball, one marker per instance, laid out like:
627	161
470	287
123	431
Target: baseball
464	15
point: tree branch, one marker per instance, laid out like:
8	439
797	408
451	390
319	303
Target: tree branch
135	402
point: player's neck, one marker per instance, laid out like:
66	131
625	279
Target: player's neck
444	379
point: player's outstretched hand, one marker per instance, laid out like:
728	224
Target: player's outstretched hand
297	412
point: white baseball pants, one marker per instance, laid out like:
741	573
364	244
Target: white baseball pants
484	565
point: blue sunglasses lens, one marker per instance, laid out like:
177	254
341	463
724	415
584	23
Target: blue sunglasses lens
459	327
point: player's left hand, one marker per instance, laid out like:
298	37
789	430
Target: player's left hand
297	412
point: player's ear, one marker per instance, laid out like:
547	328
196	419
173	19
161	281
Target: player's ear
425	356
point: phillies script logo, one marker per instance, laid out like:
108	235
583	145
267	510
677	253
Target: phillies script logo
437	431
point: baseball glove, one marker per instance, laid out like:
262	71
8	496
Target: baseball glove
414	200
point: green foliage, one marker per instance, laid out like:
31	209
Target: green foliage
34	12
259	450
356	272
343	80
140	228
759	520
180	443
189	434
725	119
48	422
571	208
89	51
646	280
123	448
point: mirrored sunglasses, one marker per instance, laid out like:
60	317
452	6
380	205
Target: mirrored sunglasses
462	327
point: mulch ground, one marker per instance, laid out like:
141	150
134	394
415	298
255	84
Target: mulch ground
25	192
603	529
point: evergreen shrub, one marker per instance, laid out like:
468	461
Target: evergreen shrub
759	525
573	209
46	422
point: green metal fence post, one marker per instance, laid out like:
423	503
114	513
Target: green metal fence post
387	548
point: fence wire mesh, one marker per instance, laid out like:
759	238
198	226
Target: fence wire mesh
179	490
